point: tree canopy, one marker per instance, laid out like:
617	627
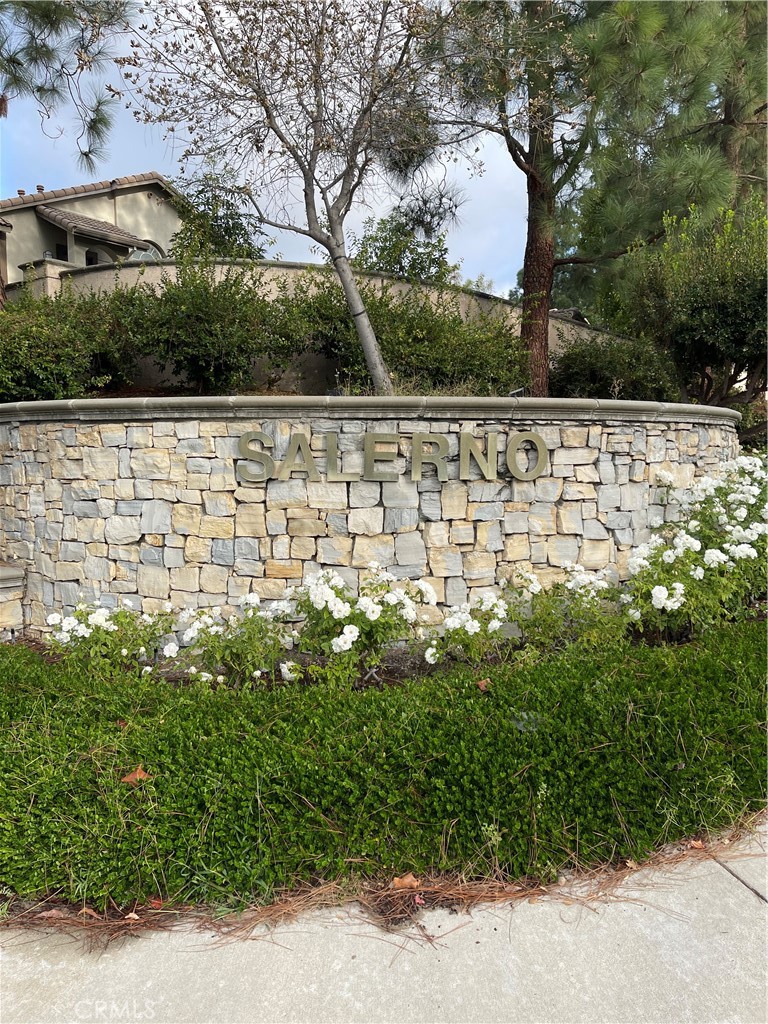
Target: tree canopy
701	295
301	97
391	246
214	222
615	109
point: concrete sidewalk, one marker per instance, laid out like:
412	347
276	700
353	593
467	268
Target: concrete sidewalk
681	945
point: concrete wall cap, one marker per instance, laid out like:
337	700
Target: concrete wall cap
288	406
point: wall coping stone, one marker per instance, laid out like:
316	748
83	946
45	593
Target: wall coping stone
353	407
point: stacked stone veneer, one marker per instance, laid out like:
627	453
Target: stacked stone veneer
144	497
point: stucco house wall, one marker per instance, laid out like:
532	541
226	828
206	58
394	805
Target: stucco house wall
139	205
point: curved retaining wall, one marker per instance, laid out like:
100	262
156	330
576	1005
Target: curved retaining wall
199	501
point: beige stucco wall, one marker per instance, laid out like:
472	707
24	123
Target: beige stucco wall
145	211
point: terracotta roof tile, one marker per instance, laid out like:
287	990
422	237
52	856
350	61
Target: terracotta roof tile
33	198
89	226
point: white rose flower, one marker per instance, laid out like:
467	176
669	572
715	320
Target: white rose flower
54	619
659	597
170	650
713	556
430	655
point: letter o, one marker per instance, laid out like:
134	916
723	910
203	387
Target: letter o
515	441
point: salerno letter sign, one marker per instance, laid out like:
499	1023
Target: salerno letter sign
380	449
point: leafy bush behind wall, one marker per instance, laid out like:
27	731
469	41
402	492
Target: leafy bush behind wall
211	332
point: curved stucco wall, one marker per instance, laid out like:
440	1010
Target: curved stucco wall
154	497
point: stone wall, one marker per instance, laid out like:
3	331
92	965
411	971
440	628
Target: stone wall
152	497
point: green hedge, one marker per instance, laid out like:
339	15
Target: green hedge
211	333
605	366
586	757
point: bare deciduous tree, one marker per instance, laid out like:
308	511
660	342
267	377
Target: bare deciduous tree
305	98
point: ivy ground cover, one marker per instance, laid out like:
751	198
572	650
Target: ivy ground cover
130	791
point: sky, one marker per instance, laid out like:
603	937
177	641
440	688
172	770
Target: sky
488	238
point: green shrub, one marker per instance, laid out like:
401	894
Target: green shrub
710	566
211	332
587	757
425	341
631	369
54	348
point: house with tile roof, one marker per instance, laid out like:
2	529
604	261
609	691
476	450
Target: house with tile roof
48	232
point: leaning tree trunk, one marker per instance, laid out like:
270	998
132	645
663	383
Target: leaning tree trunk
539	260
377	368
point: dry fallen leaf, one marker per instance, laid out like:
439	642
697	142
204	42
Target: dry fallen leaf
631	863
121	722
89	912
408	881
135	777
51	913
696	844
482	684
156	903
131	917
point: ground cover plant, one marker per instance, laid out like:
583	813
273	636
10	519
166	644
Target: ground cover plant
215	760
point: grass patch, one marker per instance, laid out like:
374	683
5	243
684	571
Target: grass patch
582	758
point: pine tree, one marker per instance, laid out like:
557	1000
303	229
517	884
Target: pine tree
48	48
609	105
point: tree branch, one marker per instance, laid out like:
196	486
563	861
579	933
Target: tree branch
571	261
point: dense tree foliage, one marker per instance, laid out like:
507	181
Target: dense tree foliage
391	246
701	296
214	222
615	109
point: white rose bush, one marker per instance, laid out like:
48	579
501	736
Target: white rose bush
707	566
352	634
112	641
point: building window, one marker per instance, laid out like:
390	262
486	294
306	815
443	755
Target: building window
62	253
96	257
